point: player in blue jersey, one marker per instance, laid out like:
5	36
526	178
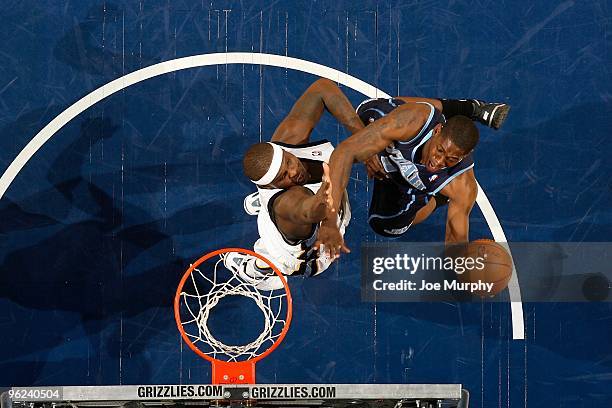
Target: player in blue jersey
420	153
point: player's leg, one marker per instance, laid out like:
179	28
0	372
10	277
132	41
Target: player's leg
489	114
392	211
391	220
322	95
437	103
433	204
424	212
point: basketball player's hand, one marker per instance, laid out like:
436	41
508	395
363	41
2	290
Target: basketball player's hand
323	205
375	168
330	241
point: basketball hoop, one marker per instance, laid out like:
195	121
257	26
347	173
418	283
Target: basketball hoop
200	291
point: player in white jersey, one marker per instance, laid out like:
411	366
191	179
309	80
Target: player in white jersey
295	255
293	196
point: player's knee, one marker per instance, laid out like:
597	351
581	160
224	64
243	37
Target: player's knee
324	83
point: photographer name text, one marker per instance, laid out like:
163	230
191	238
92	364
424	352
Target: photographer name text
423	285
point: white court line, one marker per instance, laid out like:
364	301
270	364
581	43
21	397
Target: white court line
518	331
516	305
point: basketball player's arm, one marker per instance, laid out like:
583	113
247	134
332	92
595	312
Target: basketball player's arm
373	165
322	95
299	206
462	194
402	124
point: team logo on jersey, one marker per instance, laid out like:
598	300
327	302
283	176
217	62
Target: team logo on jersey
432	178
317	153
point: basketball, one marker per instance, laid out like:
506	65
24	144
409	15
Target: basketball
497	266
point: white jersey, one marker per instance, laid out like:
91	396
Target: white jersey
295	257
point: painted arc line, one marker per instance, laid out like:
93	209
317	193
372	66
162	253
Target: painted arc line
194	61
516	305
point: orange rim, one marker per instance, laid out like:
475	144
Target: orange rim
177	301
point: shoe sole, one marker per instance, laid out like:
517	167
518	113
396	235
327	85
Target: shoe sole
247	209
265	283
499	115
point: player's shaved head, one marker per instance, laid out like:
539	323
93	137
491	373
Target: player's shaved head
257	159
462	132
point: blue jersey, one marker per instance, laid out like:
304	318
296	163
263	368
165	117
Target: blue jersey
411	150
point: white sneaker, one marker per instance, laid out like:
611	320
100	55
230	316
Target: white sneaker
252	205
245	267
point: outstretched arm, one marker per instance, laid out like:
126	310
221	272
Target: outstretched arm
373	165
462	193
298	208
322	95
402	124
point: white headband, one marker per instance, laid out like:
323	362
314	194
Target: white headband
277	160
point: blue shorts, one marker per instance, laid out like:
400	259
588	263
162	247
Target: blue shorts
374	109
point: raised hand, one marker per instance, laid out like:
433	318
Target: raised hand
375	168
330	241
324	204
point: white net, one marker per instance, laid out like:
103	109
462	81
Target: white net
202	292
